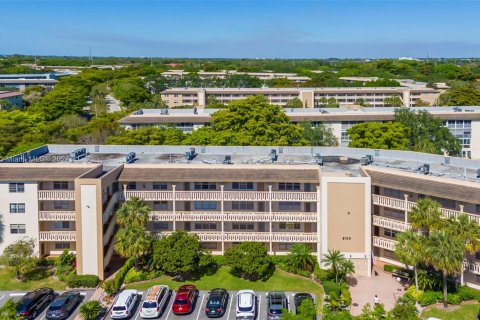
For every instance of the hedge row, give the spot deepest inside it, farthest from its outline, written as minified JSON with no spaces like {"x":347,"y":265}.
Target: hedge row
{"x":122,"y":273}
{"x":82,"y":281}
{"x":426,"y":298}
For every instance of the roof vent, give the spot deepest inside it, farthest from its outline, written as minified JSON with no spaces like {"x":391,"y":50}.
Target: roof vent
{"x":130,"y":157}
{"x":425,"y":169}
{"x":78,"y":154}
{"x":227,"y":160}
{"x":318,"y":159}
{"x":190,"y":154}
{"x":273,"y":155}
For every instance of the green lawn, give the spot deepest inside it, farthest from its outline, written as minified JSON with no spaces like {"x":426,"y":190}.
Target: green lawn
{"x":280,"y":280}
{"x":36,"y":279}
{"x":464,"y":312}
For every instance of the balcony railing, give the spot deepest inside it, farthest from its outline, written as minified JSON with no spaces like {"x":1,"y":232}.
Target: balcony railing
{"x":56,"y":215}
{"x":108,"y":233}
{"x":408,"y":205}
{"x":57,"y":236}
{"x":56,"y":195}
{"x":255,"y":236}
{"x":384,"y":243}
{"x":233,"y":216}
{"x":390,"y":223}
{"x":108,"y":255}
{"x":227,"y":195}
{"x":110,"y":207}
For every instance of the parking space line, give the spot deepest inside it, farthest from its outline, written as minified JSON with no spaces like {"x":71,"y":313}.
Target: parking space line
{"x":169,"y":305}
{"x":260,"y":307}
{"x":1,"y":298}
{"x":201,"y":304}
{"x":230,"y":307}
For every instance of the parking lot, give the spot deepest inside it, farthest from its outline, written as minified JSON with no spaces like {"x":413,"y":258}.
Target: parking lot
{"x":198,"y":312}
{"x":6,"y":295}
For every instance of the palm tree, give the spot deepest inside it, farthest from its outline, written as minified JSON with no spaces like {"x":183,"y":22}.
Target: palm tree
{"x":426,"y":215}
{"x":445,"y":253}
{"x":347,"y":268}
{"x":90,"y":310}
{"x":409,"y":250}
{"x":134,"y":212}
{"x":132,"y":241}
{"x":334,"y":259}
{"x":300,"y":257}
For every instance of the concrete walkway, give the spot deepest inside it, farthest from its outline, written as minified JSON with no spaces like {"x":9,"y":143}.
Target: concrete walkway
{"x":381,"y":283}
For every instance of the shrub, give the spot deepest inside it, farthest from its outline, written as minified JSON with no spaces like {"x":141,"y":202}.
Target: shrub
{"x":134,"y":275}
{"x":321,"y":275}
{"x":332,"y":287}
{"x":429,"y":298}
{"x":109,"y":287}
{"x":347,"y":297}
{"x":453,"y":298}
{"x":391,"y":268}
{"x":90,"y":310}
{"x":220,"y":260}
{"x":121,"y":274}
{"x":82,"y":281}
{"x":465,"y":293}
{"x":413,"y":293}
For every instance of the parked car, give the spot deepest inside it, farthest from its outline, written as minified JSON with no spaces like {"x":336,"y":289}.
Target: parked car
{"x":298,"y":298}
{"x":276,"y":302}
{"x":63,"y":305}
{"x":216,"y":303}
{"x":125,"y":304}
{"x":33,"y":302}
{"x":185,"y":299}
{"x":246,"y":305}
{"x":155,"y":301}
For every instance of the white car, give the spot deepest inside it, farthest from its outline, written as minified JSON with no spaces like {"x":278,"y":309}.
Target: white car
{"x":154,"y":302}
{"x":246,"y":305}
{"x":123,"y":307}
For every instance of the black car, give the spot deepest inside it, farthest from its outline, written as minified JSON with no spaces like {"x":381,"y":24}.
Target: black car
{"x":277,"y":302}
{"x":299,"y":298}
{"x":33,"y":302}
{"x":216,"y":303}
{"x":63,"y":305}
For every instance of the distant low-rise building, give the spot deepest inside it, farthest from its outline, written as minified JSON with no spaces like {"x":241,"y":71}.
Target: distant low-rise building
{"x":222,"y":74}
{"x":10,"y":99}
{"x":23,"y":81}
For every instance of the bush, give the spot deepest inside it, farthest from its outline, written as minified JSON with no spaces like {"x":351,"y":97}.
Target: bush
{"x":332,"y":287}
{"x":321,"y":275}
{"x":453,"y":298}
{"x":429,"y":298}
{"x":134,"y":275}
{"x":413,"y":293}
{"x":391,"y":268}
{"x":219,"y":260}
{"x":465,"y":293}
{"x":90,"y":310}
{"x":122,"y":273}
{"x":82,"y":281}
{"x":109,"y":287}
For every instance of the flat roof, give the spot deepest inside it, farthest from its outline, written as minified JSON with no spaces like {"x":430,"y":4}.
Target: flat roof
{"x":9,"y":94}
{"x":43,"y":171}
{"x":296,"y":90}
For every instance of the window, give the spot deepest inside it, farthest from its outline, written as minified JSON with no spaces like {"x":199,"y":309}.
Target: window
{"x":390,"y":233}
{"x":205,"y":205}
{"x":242,"y":205}
{"x":160,"y":225}
{"x":60,"y":185}
{"x":17,"y":229}
{"x":17,"y":207}
{"x":395,"y":214}
{"x":289,"y":226}
{"x":242,"y":185}
{"x":205,"y":225}
{"x":160,"y":186}
{"x":389,"y":254}
{"x":205,"y":186}
{"x":284,"y":186}
{"x":160,"y":205}
{"x":243,"y":226}
{"x":62,"y":224}
{"x":393,"y":193}
{"x":61,"y":205}
{"x":209,"y":245}
{"x":132,"y":186}
{"x":62,"y":245}
{"x":285,"y":246}
{"x":289,"y":206}
{"x":17,"y":187}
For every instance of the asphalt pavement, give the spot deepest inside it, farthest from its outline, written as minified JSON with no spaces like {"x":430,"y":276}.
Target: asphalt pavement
{"x":6,"y":295}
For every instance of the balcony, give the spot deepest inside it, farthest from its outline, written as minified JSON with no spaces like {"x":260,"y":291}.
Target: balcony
{"x":255,"y":236}
{"x":390,"y":223}
{"x":408,"y":205}
{"x":233,"y":216}
{"x":472,"y":266}
{"x":225,"y":196}
{"x":109,"y":232}
{"x":384,"y":243}
{"x":57,"y":236}
{"x":56,"y":215}
{"x":56,"y":195}
{"x":110,"y":207}
{"x":108,"y":255}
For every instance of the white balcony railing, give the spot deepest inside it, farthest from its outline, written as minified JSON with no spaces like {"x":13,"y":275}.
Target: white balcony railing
{"x":233,"y":216}
{"x":56,"y":215}
{"x":56,"y":195}
{"x":57,"y":236}
{"x":227,"y":195}
{"x":384,"y":243}
{"x":408,"y":205}
{"x":390,"y":223}
{"x":255,"y":236}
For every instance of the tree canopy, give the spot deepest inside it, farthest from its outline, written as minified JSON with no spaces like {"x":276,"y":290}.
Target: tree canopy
{"x":249,"y":260}
{"x":389,"y":135}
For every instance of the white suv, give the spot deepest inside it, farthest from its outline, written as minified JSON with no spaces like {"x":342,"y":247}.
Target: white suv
{"x":123,"y":307}
{"x":246,"y":305}
{"x":154,"y":302}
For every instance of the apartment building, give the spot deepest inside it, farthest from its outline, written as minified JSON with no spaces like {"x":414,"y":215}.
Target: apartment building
{"x":310,"y":97}
{"x":11,"y":99}
{"x":326,"y":198}
{"x":463,"y":122}
{"x":222,"y":74}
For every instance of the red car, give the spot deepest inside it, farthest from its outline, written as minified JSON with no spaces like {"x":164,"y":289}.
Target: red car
{"x":185,"y":299}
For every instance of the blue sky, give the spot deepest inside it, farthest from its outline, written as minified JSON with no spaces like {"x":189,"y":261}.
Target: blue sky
{"x":231,"y":29}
